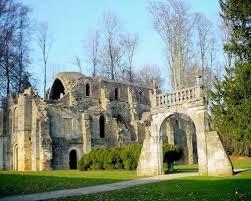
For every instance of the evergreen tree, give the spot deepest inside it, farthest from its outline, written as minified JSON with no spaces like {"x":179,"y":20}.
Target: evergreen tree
{"x":231,"y":98}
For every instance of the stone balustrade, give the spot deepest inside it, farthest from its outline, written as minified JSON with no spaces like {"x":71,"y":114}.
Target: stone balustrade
{"x":179,"y":96}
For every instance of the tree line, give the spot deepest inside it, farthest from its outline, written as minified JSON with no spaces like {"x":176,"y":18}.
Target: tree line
{"x":14,"y":47}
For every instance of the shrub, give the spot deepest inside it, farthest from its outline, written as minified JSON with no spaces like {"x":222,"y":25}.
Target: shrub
{"x":171,"y":153}
{"x":111,"y":158}
{"x":126,"y":157}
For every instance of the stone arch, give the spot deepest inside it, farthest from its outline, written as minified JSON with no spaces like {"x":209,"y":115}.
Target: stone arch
{"x":180,"y":129}
{"x":15,"y":157}
{"x":57,"y":90}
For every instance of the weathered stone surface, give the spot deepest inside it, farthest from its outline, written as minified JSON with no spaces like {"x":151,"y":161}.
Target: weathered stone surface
{"x":81,"y":113}
{"x":190,"y":102}
{"x":42,"y":133}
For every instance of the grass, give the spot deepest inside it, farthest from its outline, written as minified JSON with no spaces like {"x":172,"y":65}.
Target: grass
{"x":235,"y":188}
{"x":196,"y":188}
{"x":237,"y":162}
{"x":32,"y":182}
{"x":241,"y":162}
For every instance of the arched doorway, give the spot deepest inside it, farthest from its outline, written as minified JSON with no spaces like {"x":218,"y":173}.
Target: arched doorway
{"x":73,"y":159}
{"x":179,"y":129}
{"x":15,"y":157}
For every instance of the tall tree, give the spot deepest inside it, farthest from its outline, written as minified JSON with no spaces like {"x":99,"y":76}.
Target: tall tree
{"x":14,"y":46}
{"x":44,"y":43}
{"x":147,"y":74}
{"x":93,"y":50}
{"x":231,"y":98}
{"x":173,"y":21}
{"x":112,"y":52}
{"x":129,"y":43}
{"x":203,"y":30}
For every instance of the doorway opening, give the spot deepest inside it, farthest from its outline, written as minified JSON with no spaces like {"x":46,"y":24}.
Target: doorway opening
{"x":73,"y":160}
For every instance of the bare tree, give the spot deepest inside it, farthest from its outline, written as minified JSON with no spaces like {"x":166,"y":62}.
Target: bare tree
{"x":92,"y":51}
{"x":147,"y":74}
{"x":23,"y":49}
{"x":203,"y":26}
{"x":77,"y":62}
{"x":112,"y":52}
{"x":129,"y":43}
{"x":44,"y":44}
{"x":14,"y":46}
{"x":173,"y":21}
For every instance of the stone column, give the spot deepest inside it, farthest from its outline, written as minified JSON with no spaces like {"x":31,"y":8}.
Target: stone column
{"x":189,"y":144}
{"x":170,"y":131}
{"x":151,"y":157}
{"x":200,"y":122}
{"x":1,"y":152}
{"x":24,"y":132}
{"x":86,"y":130}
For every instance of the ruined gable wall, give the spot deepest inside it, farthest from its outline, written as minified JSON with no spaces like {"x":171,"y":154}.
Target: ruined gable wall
{"x":65,"y":131}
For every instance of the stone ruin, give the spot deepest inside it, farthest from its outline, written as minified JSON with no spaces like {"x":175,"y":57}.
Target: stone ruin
{"x":80,"y":113}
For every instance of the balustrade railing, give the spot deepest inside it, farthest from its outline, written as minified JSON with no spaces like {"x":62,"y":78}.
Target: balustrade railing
{"x":179,"y":97}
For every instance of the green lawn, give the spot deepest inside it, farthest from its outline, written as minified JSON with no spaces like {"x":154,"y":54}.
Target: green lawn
{"x":235,"y":188}
{"x":238,"y":163}
{"x":30,"y":182}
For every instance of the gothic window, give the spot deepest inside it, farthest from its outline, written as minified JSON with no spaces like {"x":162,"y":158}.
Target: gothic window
{"x":87,"y":89}
{"x":116,"y":94}
{"x":102,"y":126}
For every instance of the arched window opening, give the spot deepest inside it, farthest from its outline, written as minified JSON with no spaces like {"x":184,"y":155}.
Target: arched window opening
{"x":87,"y":89}
{"x":73,"y":160}
{"x":57,"y":90}
{"x":102,"y":126}
{"x":116,"y":95}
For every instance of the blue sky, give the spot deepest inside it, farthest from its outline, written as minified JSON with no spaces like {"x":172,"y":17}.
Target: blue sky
{"x":70,"y":21}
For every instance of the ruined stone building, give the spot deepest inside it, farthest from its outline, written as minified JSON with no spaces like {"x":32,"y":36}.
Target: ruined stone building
{"x":79,"y":114}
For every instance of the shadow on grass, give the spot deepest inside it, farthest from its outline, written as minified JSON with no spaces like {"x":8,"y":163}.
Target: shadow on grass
{"x":12,"y":184}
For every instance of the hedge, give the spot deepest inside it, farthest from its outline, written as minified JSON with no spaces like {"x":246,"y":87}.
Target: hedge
{"x":111,"y":158}
{"x":125,"y":157}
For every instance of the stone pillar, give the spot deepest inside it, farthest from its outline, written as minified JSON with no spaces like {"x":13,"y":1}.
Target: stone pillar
{"x":1,"y":152}
{"x":151,"y":157}
{"x":134,"y":117}
{"x":24,"y":132}
{"x":218,"y":161}
{"x":170,"y":132}
{"x":189,"y":145}
{"x":105,"y":102}
{"x":86,"y":130}
{"x":200,"y":122}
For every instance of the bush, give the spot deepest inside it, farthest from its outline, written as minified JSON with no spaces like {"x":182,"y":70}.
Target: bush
{"x":111,"y":158}
{"x":171,"y":153}
{"x":126,"y":157}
